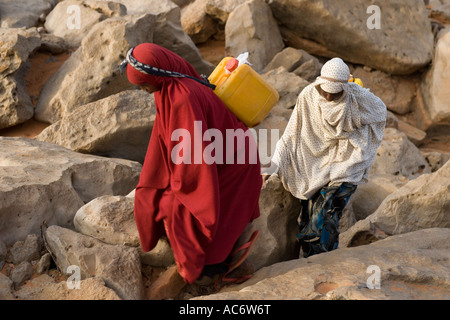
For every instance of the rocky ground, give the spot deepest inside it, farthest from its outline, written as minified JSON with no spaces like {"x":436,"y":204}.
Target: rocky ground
{"x":73,"y":135}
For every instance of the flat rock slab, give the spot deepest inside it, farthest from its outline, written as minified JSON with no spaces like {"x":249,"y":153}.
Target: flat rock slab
{"x":118,"y":266}
{"x":41,"y":182}
{"x":118,"y":126}
{"x":408,"y":266}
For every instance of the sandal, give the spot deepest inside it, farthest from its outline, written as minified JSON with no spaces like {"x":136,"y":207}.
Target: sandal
{"x":237,"y":263}
{"x":247,"y":247}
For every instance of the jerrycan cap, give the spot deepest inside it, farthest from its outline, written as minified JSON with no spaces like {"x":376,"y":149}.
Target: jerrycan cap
{"x":232,"y":64}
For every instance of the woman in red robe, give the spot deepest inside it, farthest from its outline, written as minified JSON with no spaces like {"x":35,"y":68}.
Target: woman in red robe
{"x":202,"y":206}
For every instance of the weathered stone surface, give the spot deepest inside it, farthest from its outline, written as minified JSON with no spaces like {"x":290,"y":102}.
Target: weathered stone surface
{"x":118,"y":266}
{"x":415,"y":135}
{"x":16,"y":45}
{"x":168,"y":31}
{"x":21,"y":273}
{"x":45,"y":287}
{"x":421,"y":203}
{"x":287,"y":84}
{"x":118,"y":126}
{"x":398,"y":156}
{"x":197,"y":23}
{"x":23,"y":13}
{"x":309,"y":70}
{"x":167,"y":286}
{"x":391,"y":120}
{"x":159,"y":256}
{"x":368,"y":197}
{"x":44,"y":263}
{"x":397,"y":92}
{"x":221,"y":9}
{"x":53,"y":44}
{"x":251,"y":28}
{"x":109,"y":219}
{"x":42,"y":182}
{"x":91,"y":73}
{"x":441,"y":13}
{"x":73,"y":19}
{"x":297,"y":61}
{"x":3,"y":254}
{"x":27,"y":250}
{"x":6,"y":288}
{"x":277,"y":225}
{"x":435,"y":159}
{"x":412,"y":266}
{"x":395,"y":48}
{"x":289,"y":58}
{"x":435,"y":84}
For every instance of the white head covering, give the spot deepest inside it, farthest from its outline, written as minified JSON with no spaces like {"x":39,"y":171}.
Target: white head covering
{"x":333,"y":75}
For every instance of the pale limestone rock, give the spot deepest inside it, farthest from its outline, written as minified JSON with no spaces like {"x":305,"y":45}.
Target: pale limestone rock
{"x":395,"y":48}
{"x":118,"y":266}
{"x":251,"y":28}
{"x":45,"y":183}
{"x":118,"y":126}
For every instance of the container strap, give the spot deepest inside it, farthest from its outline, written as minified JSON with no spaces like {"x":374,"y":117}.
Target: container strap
{"x":148,"y":69}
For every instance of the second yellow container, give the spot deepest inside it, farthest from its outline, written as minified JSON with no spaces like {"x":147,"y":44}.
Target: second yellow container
{"x":243,"y":91}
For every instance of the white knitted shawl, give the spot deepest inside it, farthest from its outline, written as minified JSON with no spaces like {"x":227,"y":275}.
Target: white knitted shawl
{"x":330,"y":142}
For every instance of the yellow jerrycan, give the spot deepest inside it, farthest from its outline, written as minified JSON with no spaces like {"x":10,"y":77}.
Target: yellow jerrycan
{"x":356,"y":80}
{"x":243,"y":91}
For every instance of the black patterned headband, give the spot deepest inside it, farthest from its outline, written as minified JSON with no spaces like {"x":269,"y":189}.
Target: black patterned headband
{"x":147,"y":69}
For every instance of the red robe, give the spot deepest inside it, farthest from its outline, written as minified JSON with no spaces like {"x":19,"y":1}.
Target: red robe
{"x":202,"y":208}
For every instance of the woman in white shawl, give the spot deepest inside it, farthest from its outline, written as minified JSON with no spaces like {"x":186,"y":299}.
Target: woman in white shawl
{"x":327,"y":149}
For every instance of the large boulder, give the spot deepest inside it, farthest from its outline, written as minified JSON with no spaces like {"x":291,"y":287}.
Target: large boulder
{"x":398,"y":156}
{"x":6,"y":288}
{"x":421,"y":203}
{"x":297,"y":61}
{"x":92,"y":73}
{"x":24,"y":13}
{"x":368,"y":196}
{"x":395,"y":48}
{"x":197,"y":23}
{"x":287,"y":84}
{"x":111,"y":220}
{"x":16,"y":45}
{"x":220,"y":9}
{"x":118,"y":126}
{"x":118,"y":266}
{"x":168,"y":31}
{"x":397,"y":92}
{"x":73,"y":19}
{"x":252,"y":28}
{"x":434,"y":87}
{"x":45,"y":183}
{"x":412,"y":266}
{"x":277,"y":225}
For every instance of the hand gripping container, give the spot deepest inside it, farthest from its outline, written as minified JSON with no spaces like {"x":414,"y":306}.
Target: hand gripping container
{"x":243,"y":91}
